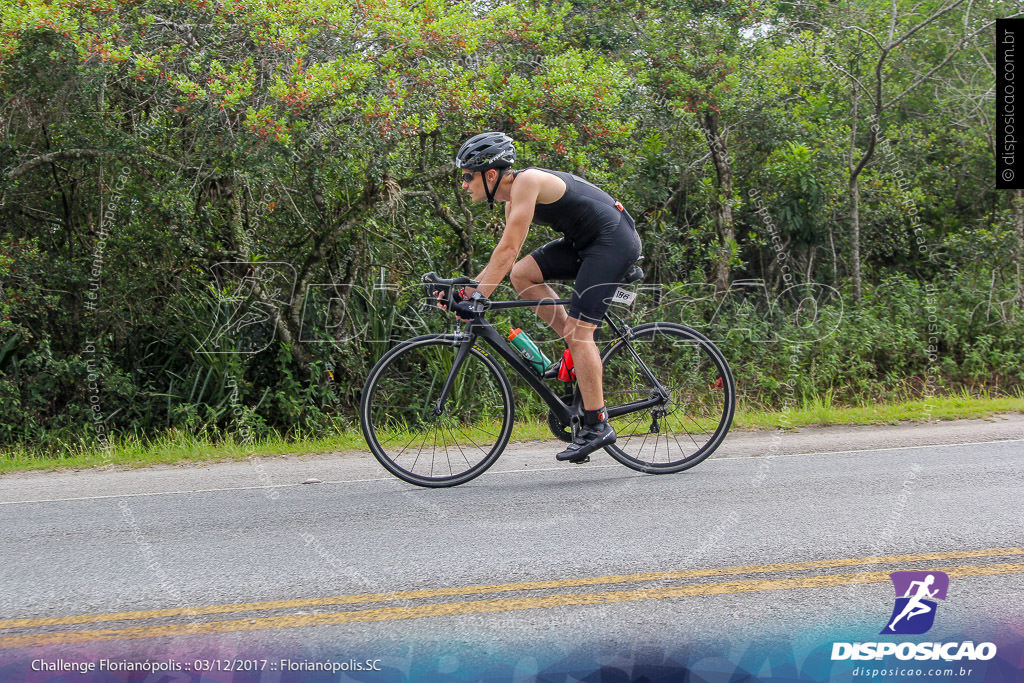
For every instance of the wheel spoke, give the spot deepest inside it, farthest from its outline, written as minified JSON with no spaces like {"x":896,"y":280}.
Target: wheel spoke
{"x":406,"y":446}
{"x":680,"y":445}
{"x":683,"y":427}
{"x":470,"y":439}
{"x":460,"y":447}
{"x":640,"y":415}
{"x":433,"y":451}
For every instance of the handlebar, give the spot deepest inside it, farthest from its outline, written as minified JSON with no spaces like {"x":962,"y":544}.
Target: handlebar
{"x":448,"y":287}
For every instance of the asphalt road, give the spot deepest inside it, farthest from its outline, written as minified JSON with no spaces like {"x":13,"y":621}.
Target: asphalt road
{"x":764,"y":544}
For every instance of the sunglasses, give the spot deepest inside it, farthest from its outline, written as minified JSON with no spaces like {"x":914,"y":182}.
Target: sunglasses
{"x":468,"y":177}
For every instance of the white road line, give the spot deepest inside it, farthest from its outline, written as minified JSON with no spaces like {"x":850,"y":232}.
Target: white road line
{"x":519,"y":471}
{"x":868,"y":450}
{"x":172,"y":493}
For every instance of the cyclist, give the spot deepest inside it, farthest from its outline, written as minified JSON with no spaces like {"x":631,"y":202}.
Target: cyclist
{"x":599,"y":245}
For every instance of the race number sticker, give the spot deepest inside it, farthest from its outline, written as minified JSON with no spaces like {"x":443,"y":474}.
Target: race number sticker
{"x":623,"y":296}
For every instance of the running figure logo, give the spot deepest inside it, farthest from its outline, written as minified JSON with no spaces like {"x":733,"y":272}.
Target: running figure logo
{"x":914,"y":612}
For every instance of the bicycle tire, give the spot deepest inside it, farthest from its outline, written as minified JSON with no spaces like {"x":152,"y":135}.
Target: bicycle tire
{"x":396,"y":406}
{"x":701,"y":405}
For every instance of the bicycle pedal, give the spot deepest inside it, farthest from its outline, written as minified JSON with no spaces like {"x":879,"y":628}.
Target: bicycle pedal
{"x":580,"y":461}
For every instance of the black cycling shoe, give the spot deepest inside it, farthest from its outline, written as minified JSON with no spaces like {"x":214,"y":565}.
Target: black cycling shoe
{"x":589,"y":439}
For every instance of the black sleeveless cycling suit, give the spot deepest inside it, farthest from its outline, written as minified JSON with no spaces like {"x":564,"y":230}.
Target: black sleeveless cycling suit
{"x":599,"y":246}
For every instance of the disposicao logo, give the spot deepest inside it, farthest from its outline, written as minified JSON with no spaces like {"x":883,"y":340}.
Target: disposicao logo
{"x":914,"y":612}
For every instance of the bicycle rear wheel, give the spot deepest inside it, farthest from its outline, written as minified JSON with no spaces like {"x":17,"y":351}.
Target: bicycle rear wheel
{"x":397,"y":411}
{"x":683,"y":430}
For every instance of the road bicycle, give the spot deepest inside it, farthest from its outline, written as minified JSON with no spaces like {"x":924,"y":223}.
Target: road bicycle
{"x":437,"y":410}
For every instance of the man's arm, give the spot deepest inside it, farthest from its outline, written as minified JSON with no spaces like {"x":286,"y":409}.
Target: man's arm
{"x":518,"y":215}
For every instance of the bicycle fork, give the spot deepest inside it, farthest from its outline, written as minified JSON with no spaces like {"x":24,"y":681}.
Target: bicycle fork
{"x":460,"y":358}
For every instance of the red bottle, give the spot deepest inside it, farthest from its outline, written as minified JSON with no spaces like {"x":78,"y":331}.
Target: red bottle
{"x":565,"y":370}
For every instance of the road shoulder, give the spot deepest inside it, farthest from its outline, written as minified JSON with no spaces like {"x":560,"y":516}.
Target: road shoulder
{"x":295,"y":470}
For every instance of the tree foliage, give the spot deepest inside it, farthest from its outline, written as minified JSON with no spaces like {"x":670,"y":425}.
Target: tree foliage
{"x":215,"y":213}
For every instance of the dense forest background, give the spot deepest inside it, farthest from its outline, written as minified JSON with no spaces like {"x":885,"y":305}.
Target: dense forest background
{"x":215,"y":213}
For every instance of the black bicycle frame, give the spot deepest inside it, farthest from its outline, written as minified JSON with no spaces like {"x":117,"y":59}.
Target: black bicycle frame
{"x":480,"y":328}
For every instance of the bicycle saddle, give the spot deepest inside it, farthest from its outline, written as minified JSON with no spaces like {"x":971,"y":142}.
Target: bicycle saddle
{"x":635,"y":273}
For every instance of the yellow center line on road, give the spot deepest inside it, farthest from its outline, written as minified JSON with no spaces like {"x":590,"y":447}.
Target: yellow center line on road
{"x":503,"y":588}
{"x":448,"y":609}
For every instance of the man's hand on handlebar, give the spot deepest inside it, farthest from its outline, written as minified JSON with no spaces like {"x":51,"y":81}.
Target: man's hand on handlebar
{"x":458,"y":297}
{"x":460,"y":294}
{"x":465,"y":311}
{"x":464,"y":303}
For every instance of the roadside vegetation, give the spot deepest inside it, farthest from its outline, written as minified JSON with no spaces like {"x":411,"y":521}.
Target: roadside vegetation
{"x":180,"y":448}
{"x":214,"y":216}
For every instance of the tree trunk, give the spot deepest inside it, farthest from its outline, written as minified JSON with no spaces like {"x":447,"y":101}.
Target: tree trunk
{"x":464,"y":231}
{"x":721,"y":208}
{"x":854,"y":194}
{"x":288,"y":334}
{"x":1018,"y":212}
{"x":855,"y":235}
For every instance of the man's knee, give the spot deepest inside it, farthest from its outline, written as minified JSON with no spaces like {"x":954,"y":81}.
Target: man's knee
{"x":525,"y":273}
{"x":578,"y":331}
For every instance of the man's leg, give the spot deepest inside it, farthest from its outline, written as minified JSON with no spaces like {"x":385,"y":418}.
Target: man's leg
{"x":601,"y":265}
{"x":579,"y":335}
{"x":595,"y":432}
{"x":529,"y":282}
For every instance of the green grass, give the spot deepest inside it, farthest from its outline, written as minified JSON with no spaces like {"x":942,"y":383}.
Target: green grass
{"x":819,"y":411}
{"x":183,"y":448}
{"x":174,"y":448}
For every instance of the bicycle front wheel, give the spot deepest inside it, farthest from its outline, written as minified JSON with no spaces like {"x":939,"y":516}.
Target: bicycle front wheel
{"x":686,"y":427}
{"x":420,"y":444}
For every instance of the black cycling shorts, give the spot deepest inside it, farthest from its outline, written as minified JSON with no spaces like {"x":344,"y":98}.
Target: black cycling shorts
{"x":597,"y":269}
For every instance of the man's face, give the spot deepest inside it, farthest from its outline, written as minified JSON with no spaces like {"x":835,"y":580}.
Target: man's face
{"x":473,"y":184}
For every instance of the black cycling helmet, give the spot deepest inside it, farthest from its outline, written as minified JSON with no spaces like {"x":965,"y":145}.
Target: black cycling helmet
{"x":485,"y":151}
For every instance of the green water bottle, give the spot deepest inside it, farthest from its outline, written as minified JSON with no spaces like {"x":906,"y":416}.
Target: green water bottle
{"x":531,"y":353}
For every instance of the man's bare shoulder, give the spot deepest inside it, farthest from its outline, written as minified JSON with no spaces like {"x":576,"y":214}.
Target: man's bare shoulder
{"x":541,"y":186}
